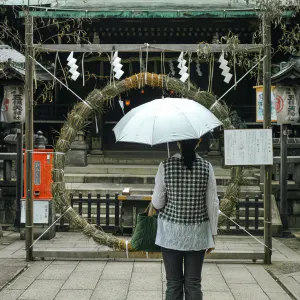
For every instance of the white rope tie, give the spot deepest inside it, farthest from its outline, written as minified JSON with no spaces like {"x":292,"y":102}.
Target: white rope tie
{"x":61,"y":83}
{"x":34,"y":151}
{"x":235,"y":84}
{"x":221,"y":213}
{"x":127,"y":254}
{"x":50,"y":227}
{"x":96,"y":123}
{"x":147,"y":54}
{"x":83,"y":77}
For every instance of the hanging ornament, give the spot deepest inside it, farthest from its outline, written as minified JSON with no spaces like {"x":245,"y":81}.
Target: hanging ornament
{"x":155,"y":68}
{"x":183,"y":68}
{"x":73,"y":67}
{"x":223,"y":65}
{"x":116,"y":63}
{"x":172,"y":70}
{"x":198,"y":70}
{"x":102,"y":70}
{"x":130,"y":69}
{"x":121,"y":105}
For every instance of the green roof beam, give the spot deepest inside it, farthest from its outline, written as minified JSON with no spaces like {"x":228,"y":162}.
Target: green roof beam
{"x":66,"y":14}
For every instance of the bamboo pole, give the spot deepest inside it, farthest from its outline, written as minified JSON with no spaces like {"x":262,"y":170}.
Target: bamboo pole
{"x":283,"y":176}
{"x":267,"y":125}
{"x":29,"y":133}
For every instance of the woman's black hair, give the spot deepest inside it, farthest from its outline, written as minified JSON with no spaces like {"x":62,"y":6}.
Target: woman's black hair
{"x":188,"y":152}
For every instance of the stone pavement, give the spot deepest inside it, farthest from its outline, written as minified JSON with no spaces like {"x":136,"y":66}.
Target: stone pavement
{"x":102,"y":280}
{"x":129,"y":280}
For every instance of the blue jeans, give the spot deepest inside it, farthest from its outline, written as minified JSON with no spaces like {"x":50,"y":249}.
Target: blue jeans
{"x":188,"y":280}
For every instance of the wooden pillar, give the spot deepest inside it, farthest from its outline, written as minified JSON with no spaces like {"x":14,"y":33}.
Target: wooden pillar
{"x":29,"y":133}
{"x":283,"y":176}
{"x":267,"y":125}
{"x":19,"y":173}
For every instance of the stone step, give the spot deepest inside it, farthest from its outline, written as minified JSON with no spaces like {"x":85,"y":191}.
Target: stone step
{"x":128,"y":169}
{"x":96,"y":159}
{"x":112,"y":211}
{"x":138,"y":189}
{"x":136,"y":179}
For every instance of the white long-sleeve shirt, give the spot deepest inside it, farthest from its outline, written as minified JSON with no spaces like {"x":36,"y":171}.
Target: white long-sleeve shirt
{"x":183,"y":237}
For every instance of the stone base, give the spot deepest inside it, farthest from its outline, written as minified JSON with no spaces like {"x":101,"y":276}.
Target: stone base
{"x":76,"y":158}
{"x":276,"y":220}
{"x":97,"y":152}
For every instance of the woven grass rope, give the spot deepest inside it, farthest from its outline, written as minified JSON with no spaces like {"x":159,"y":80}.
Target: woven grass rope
{"x":98,"y":101}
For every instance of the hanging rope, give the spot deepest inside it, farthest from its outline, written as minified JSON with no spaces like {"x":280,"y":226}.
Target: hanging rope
{"x":211,"y":73}
{"x":146,"y":68}
{"x":83,"y":77}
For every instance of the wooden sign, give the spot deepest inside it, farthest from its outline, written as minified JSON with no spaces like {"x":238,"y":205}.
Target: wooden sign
{"x":260,"y":105}
{"x":248,"y":147}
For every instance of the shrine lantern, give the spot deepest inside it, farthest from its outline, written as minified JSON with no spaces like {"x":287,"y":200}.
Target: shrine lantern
{"x":287,"y":104}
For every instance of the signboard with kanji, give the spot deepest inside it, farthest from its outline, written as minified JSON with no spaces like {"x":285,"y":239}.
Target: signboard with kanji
{"x":13,"y":104}
{"x":40,"y":212}
{"x":248,"y":147}
{"x":260,"y":105}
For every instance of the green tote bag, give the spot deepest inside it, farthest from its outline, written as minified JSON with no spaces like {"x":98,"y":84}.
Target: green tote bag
{"x":144,"y":236}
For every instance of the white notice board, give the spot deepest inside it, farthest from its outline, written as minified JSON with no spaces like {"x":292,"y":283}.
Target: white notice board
{"x":248,"y":147}
{"x":40,"y":211}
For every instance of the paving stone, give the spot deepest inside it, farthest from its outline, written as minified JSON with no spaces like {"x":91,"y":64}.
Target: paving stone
{"x":210,"y":269}
{"x":111,"y":290}
{"x":36,"y":269}
{"x":21,"y":283}
{"x":65,"y":262}
{"x":82,"y":280}
{"x":74,"y":295}
{"x":233,"y":274}
{"x":297,"y":278}
{"x":263,"y":278}
{"x":215,"y":283}
{"x":146,"y":282}
{"x":57,"y":272}
{"x":291,"y":284}
{"x":10,"y":294}
{"x":42,"y":290}
{"x":91,"y":266}
{"x":117,"y":270}
{"x":147,"y":267}
{"x":144,"y":295}
{"x":279,"y":296}
{"x":247,"y":292}
{"x":217,"y":295}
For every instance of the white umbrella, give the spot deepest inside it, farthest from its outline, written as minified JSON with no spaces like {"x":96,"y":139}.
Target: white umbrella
{"x":165,"y":120}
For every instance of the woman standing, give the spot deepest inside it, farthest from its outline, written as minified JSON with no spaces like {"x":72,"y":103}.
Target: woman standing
{"x":185,"y":193}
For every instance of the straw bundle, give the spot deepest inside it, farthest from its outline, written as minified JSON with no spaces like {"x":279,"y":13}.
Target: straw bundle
{"x":98,"y":100}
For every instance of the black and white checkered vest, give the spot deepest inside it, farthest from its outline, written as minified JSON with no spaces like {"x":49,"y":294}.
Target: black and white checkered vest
{"x":186,"y":191}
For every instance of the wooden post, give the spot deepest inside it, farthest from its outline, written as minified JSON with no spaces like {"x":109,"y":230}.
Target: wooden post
{"x":29,"y":133}
{"x":283,"y":176}
{"x":267,"y":125}
{"x":19,"y":173}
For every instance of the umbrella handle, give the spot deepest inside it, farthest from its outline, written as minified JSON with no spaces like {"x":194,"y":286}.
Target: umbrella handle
{"x":168,"y":150}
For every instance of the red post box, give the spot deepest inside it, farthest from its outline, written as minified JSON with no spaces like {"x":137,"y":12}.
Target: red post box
{"x":41,"y":176}
{"x":43,"y":210}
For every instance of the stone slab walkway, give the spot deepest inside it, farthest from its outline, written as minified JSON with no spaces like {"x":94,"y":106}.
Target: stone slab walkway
{"x":101,"y":280}
{"x":76,"y":241}
{"x":116,"y":280}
